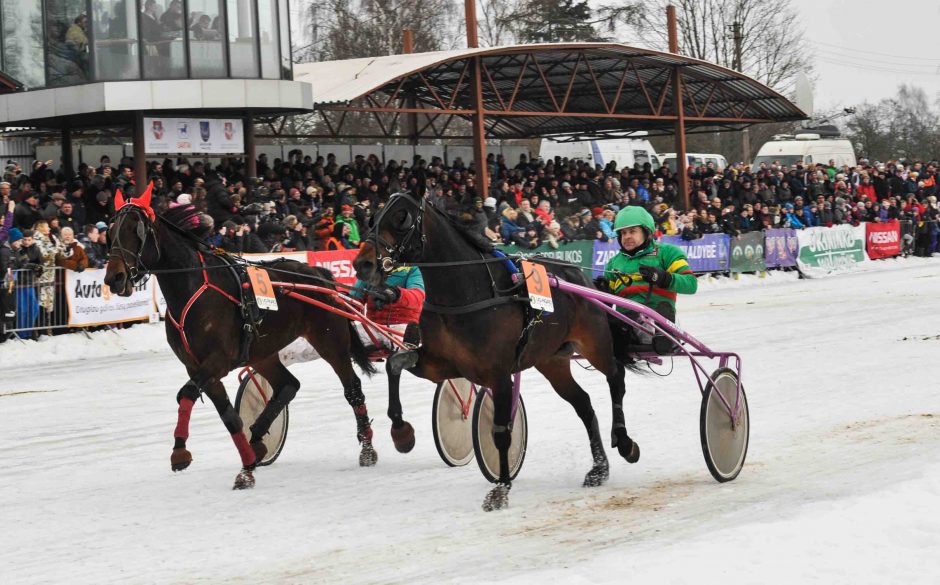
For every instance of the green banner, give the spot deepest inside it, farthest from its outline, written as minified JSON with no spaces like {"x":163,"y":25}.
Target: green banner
{"x":579,"y":252}
{"x":747,"y":253}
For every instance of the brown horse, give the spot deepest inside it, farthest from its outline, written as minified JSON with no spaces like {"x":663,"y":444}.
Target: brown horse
{"x":476,"y":325}
{"x":212,"y":332}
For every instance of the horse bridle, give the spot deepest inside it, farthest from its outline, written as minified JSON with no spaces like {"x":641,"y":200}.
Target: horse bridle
{"x":410,"y":227}
{"x":139,"y":272}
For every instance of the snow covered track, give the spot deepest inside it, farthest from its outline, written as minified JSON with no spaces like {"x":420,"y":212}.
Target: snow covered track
{"x":841,"y":483}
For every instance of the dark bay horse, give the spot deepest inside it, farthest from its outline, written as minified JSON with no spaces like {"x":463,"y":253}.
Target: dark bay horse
{"x":485,"y":340}
{"x":206,"y":321}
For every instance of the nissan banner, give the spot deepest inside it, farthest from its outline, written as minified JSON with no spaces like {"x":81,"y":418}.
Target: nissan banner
{"x":884,"y":239}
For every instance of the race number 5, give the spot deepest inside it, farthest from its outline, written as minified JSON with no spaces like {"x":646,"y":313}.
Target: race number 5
{"x":261,"y":285}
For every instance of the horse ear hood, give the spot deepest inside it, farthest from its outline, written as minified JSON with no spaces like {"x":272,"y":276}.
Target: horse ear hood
{"x":144,"y":200}
{"x":118,"y":200}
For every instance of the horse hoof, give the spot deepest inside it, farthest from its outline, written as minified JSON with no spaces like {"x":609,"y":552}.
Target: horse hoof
{"x":497,"y":499}
{"x":245,"y":480}
{"x":368,"y":457}
{"x":404,"y":437}
{"x":180,"y":459}
{"x":597,"y":476}
{"x":260,"y":451}
{"x":631,"y":453}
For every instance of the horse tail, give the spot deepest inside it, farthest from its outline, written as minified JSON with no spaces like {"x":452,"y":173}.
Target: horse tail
{"x":359,"y":354}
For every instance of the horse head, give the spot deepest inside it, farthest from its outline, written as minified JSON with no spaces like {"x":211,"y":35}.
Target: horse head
{"x":133,"y":245}
{"x":395,"y":236}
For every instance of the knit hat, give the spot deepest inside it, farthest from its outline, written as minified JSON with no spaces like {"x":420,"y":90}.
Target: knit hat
{"x":184,"y":199}
{"x":15,"y":235}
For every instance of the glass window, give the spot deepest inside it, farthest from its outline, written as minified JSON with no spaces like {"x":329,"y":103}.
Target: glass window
{"x":241,"y":38}
{"x":284,"y":16}
{"x":267,"y":31}
{"x":206,"y":41}
{"x":161,"y":30}
{"x":67,"y":54}
{"x":22,"y":41}
{"x":114,"y":28}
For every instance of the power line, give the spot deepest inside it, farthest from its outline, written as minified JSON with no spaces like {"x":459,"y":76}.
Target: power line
{"x":875,"y":52}
{"x":867,"y":67}
{"x":843,"y":53}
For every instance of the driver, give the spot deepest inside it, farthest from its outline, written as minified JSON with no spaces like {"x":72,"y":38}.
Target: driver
{"x":643,"y":261}
{"x":396,"y":304}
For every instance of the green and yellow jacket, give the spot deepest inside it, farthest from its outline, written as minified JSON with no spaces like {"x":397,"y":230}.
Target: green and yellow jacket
{"x":623,"y":273}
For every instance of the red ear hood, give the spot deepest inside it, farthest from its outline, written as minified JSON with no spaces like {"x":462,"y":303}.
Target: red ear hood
{"x":118,"y":200}
{"x":144,"y":201}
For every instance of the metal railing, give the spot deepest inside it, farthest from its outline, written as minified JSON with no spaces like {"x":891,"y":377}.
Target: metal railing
{"x":34,"y":303}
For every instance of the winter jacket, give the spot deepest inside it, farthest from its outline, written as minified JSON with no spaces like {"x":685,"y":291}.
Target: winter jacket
{"x":624,"y":279}
{"x":407,"y":309}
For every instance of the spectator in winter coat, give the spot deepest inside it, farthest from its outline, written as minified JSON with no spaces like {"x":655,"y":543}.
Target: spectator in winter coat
{"x":27,"y":212}
{"x":72,"y":255}
{"x":348,"y":218}
{"x":790,"y":219}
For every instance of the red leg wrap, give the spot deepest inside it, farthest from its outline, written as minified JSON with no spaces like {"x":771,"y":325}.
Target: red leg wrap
{"x":182,"y":420}
{"x":244,"y":449}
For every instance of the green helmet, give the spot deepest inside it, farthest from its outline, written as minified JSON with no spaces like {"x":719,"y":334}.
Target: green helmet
{"x":633,"y":215}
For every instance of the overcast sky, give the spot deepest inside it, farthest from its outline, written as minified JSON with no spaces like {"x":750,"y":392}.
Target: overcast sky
{"x":865,"y":49}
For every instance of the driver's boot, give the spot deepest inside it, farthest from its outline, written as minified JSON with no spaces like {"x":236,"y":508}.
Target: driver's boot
{"x":406,"y":358}
{"x":661,"y":344}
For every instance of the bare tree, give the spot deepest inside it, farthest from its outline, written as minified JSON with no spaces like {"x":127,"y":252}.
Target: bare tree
{"x":902,"y":126}
{"x":773,"y":49}
{"x":495,"y":24}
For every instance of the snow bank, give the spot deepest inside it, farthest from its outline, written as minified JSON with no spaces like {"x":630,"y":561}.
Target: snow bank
{"x":142,"y":338}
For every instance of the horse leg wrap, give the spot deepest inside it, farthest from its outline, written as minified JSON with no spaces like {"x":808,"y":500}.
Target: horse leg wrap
{"x":353,"y":393}
{"x":363,"y":424}
{"x":231,"y":420}
{"x":183,"y":413}
{"x":502,"y":436}
{"x":260,"y":428}
{"x":244,"y":450}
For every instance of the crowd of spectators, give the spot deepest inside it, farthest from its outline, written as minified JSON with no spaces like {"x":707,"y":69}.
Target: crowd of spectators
{"x":307,"y":203}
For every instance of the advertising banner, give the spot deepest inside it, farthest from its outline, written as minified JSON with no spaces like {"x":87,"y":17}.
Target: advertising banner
{"x":580,"y":252}
{"x":339,"y":262}
{"x":781,"y":247}
{"x":884,"y":239}
{"x":710,"y":253}
{"x":603,"y":252}
{"x":825,"y":251}
{"x":747,"y":253}
{"x":91,"y":302}
{"x":194,"y":136}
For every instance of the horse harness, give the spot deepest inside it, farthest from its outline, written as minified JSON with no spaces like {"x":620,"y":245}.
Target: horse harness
{"x":251,"y":314}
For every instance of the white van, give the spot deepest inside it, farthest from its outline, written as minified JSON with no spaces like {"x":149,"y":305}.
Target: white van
{"x":696,"y":159}
{"x":809,"y":147}
{"x":624,"y":151}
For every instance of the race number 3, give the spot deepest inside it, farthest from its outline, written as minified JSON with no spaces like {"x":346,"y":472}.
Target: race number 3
{"x":536,"y":280}
{"x":261,"y":285}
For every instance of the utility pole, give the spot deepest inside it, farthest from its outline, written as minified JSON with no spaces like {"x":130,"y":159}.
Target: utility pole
{"x":738,"y":38}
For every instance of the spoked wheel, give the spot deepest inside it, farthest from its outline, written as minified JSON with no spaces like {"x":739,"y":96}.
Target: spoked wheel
{"x":450,"y":419}
{"x":254,"y":392}
{"x":487,"y":454}
{"x":724,"y":440}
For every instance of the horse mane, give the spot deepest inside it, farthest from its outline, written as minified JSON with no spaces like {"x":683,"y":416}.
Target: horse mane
{"x":185,"y":217}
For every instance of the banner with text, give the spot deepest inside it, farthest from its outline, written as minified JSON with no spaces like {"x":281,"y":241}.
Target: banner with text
{"x":781,"y":247}
{"x":747,"y":253}
{"x":193,"y":136}
{"x":91,"y":302}
{"x":579,"y":252}
{"x":884,"y":239}
{"x":710,"y":253}
{"x":825,"y":251}
{"x":603,"y":251}
{"x":339,"y":262}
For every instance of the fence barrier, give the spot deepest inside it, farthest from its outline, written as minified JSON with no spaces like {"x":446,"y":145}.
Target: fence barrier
{"x":37,"y":301}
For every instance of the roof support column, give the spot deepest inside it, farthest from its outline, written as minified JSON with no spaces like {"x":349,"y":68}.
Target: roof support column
{"x":251,"y":161}
{"x":682,"y":161}
{"x":68,"y":165}
{"x":479,"y":132}
{"x":140,"y":157}
{"x":411,"y":102}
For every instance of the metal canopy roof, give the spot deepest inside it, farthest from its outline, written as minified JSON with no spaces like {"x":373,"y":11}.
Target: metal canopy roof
{"x":542,"y":90}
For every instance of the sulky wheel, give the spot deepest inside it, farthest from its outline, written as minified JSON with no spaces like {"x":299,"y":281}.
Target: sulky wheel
{"x":450,"y":420}
{"x":724,"y":442}
{"x":487,"y":454}
{"x":254,"y":392}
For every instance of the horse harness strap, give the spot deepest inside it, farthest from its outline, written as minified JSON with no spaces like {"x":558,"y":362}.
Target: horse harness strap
{"x":251,"y":319}
{"x":484,"y":304}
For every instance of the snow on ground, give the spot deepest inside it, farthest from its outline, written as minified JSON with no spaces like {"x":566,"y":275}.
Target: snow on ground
{"x":841,"y":485}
